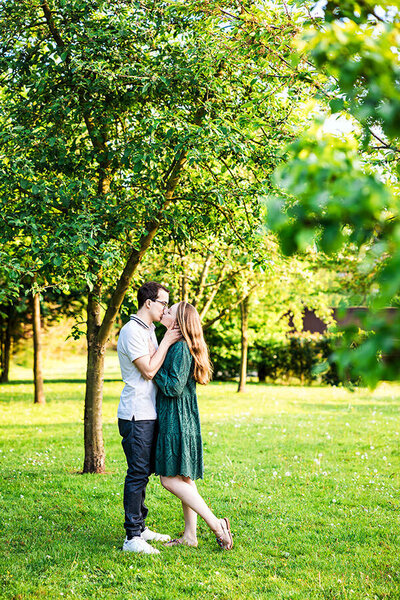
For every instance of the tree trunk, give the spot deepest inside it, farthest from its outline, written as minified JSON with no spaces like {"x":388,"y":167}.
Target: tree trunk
{"x":98,"y":331}
{"x":244,"y":314}
{"x":93,"y":433}
{"x":6,"y":352}
{"x":7,"y":326}
{"x":37,"y":351}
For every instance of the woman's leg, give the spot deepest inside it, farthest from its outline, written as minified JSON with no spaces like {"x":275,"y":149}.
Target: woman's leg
{"x":190,"y":533}
{"x":190,"y":516}
{"x":192,"y":499}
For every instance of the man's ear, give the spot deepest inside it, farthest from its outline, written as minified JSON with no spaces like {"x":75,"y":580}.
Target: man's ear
{"x":148,"y":303}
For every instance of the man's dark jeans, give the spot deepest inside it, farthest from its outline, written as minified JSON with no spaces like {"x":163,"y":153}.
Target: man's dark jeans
{"x":138,"y":439}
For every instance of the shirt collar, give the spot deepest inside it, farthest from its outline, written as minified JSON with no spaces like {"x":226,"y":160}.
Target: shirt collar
{"x":142,"y":323}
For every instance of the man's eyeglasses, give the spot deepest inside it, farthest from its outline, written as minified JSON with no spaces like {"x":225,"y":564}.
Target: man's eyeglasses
{"x":163,"y":302}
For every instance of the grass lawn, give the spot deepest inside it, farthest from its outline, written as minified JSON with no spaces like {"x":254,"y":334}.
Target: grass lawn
{"x":309,"y":478}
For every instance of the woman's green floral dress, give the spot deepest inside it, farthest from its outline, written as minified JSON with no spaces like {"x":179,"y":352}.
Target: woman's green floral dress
{"x":179,"y":449}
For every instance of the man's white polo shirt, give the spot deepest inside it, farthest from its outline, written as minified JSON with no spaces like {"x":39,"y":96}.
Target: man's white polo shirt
{"x":138,"y":398}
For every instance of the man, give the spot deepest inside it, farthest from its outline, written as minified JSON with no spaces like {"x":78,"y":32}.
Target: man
{"x":140,"y":358}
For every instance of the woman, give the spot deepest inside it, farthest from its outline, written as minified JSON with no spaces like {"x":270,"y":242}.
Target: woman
{"x":179,"y":452}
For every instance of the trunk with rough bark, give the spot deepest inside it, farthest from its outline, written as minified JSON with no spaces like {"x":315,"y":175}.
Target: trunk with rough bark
{"x":244,"y":314}
{"x":37,"y":351}
{"x":94,"y":446}
{"x":93,"y":432}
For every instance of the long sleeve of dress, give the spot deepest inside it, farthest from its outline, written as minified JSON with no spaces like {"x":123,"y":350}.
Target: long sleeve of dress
{"x":172,"y":378}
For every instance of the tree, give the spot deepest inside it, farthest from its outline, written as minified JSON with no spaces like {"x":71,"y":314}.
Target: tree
{"x":124,"y":122}
{"x":336,"y":190}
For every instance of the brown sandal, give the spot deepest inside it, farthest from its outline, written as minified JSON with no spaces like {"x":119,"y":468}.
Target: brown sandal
{"x":225,"y":541}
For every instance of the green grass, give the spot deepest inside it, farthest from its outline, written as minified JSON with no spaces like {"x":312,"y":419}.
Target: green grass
{"x":309,"y":478}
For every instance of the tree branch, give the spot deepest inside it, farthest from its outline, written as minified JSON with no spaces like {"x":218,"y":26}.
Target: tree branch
{"x":228,"y":309}
{"x":220,"y":279}
{"x":203,"y":277}
{"x":137,"y":254}
{"x":51,"y":24}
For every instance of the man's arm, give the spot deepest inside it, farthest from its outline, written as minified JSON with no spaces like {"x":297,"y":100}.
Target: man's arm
{"x":149,"y":365}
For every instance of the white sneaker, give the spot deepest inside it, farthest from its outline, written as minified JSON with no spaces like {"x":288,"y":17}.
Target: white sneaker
{"x":138,"y":544}
{"x":153,"y":536}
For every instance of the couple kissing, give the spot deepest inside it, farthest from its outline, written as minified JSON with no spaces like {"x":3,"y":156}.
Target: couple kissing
{"x":158,"y":416}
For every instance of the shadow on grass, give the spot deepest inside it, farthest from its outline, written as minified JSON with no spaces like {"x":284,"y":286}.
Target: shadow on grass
{"x":30,"y":381}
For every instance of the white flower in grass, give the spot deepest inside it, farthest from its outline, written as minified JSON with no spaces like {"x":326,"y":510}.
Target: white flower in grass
{"x":333,"y":500}
{"x":384,"y":458}
{"x":288,"y":474}
{"x":274,"y":473}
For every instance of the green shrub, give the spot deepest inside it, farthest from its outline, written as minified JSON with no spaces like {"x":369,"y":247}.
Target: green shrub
{"x":297,"y":357}
{"x":301,"y":356}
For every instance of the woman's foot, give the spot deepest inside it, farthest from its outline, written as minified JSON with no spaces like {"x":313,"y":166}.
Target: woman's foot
{"x":224,"y":535}
{"x":183,"y":541}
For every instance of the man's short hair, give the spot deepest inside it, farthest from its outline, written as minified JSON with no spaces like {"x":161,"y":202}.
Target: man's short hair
{"x":149,"y":291}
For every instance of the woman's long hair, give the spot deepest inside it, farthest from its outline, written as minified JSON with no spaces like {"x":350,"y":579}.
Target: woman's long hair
{"x":189,"y":323}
